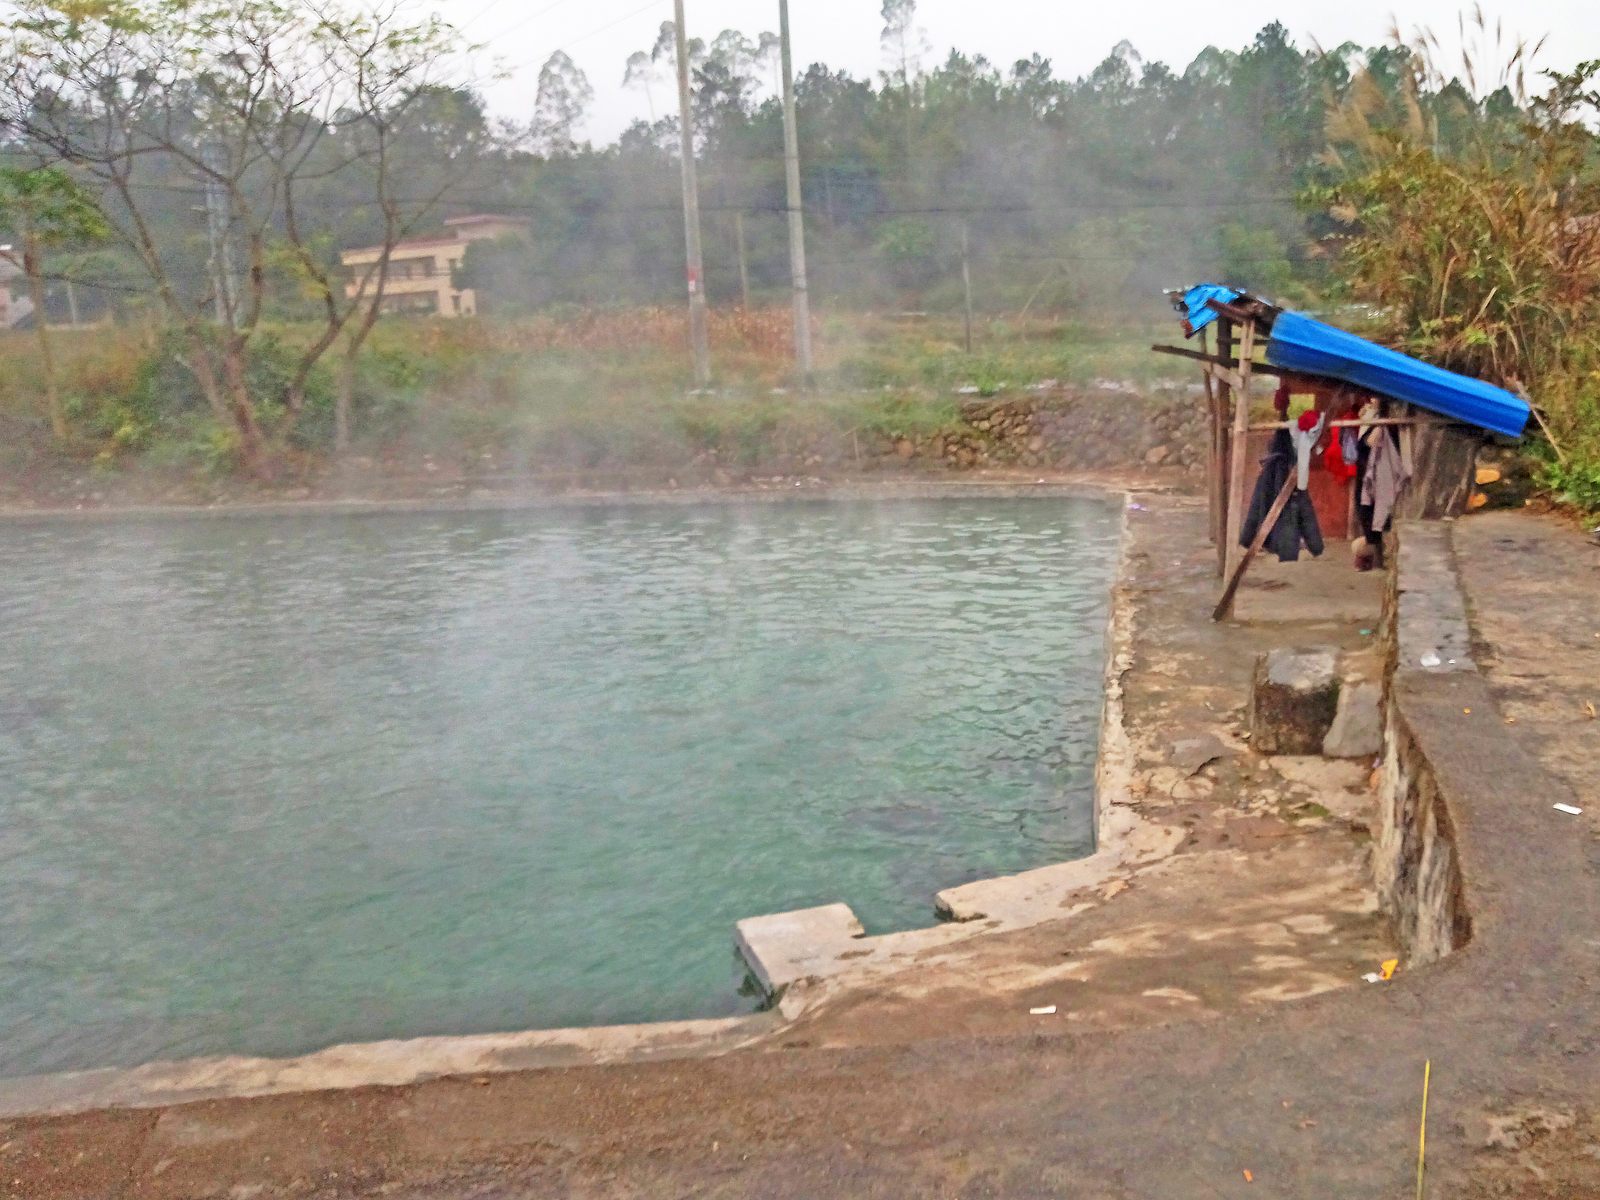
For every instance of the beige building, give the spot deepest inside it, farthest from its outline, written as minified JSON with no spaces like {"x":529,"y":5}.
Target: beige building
{"x":419,"y":271}
{"x":12,"y":308}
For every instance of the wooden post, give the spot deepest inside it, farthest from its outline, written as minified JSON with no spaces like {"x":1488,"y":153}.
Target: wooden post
{"x":1219,"y":431}
{"x":1241,"y":438}
{"x":1213,"y":458}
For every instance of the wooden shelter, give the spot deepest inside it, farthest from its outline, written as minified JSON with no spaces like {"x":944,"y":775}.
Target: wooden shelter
{"x":1442,"y":418}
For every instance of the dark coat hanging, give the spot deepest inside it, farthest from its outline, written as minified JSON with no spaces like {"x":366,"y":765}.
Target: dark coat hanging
{"x":1298,"y":520}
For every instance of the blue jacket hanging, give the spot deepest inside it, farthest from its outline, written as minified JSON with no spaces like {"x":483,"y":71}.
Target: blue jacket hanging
{"x":1297,"y":522}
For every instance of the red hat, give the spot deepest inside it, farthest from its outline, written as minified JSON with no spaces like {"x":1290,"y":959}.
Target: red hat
{"x":1308,"y":420}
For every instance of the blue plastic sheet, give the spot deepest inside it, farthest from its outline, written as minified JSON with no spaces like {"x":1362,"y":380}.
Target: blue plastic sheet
{"x":1301,"y":344}
{"x":1194,"y":302}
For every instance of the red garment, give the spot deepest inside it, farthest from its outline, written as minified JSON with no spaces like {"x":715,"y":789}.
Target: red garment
{"x":1333,"y":458}
{"x":1280,"y":398}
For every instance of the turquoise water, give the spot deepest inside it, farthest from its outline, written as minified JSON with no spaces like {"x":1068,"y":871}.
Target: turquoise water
{"x":272,"y":784}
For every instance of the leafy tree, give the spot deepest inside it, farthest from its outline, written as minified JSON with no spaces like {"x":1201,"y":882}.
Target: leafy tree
{"x":564,"y":93}
{"x":249,"y":103}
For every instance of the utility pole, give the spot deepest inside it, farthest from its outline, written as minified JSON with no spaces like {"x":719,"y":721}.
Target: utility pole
{"x":691,"y":213}
{"x":744,"y":265}
{"x":224,"y":286}
{"x":966,"y":283}
{"x":797,"y":231}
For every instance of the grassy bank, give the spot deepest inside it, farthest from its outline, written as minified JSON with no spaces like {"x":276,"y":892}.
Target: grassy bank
{"x":585,"y":389}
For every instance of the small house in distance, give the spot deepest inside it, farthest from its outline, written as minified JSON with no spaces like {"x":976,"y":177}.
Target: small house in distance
{"x":12,"y":308}
{"x":419,"y":270}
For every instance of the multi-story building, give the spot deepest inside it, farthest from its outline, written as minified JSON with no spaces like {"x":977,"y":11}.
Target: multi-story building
{"x":419,"y":270}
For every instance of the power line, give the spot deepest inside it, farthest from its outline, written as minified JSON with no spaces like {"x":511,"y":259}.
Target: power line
{"x":583,"y":37}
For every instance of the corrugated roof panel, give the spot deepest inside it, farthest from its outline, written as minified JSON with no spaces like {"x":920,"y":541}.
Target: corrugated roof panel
{"x":1299,"y":343}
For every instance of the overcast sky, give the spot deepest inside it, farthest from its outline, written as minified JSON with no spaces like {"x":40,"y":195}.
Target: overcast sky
{"x":600,"y":34}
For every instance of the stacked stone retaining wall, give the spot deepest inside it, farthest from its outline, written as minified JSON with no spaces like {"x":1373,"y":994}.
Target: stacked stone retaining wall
{"x":1067,"y":430}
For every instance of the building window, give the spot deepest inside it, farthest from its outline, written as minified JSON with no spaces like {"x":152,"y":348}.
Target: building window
{"x":411,"y":268}
{"x":417,"y":304}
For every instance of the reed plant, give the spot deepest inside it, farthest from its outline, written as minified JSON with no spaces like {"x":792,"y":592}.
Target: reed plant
{"x":1482,"y":256}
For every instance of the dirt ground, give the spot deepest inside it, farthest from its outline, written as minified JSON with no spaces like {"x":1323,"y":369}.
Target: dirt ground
{"x":1147,"y":1093}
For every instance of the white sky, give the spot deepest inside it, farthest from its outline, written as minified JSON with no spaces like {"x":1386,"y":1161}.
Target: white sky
{"x":600,"y":34}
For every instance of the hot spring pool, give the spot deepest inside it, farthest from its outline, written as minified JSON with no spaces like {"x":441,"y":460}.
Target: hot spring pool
{"x":268,"y":784}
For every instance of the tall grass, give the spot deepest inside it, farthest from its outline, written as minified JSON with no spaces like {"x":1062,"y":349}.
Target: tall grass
{"x":581,"y":388}
{"x":1485,"y":260}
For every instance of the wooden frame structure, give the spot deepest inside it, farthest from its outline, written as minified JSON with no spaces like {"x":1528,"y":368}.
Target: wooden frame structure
{"x":1442,"y":462}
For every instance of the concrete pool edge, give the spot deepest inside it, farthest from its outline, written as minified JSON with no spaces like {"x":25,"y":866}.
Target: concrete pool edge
{"x":1016,"y":900}
{"x":806,"y":957}
{"x":365,"y":1064}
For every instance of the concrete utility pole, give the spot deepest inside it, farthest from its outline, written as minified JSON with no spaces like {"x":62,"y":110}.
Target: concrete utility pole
{"x":966,"y":283}
{"x":691,"y":213}
{"x":797,"y":231}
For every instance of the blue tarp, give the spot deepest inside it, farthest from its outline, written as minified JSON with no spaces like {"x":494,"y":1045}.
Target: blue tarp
{"x":1300,"y":344}
{"x":1194,"y":304}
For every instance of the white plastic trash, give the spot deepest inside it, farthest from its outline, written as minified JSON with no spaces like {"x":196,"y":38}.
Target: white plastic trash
{"x":1042,"y":1012}
{"x":1567,"y":808}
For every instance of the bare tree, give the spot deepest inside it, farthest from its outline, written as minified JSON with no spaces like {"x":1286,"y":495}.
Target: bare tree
{"x":250,"y":98}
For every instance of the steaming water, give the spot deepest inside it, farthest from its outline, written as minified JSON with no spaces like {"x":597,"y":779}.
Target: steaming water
{"x":271,"y":784}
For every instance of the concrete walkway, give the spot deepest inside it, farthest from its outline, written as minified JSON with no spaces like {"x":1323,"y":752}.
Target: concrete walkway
{"x":1315,"y":1098}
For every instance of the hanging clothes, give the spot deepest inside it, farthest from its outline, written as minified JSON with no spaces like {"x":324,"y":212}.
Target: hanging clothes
{"x":1334,"y":457}
{"x":1385,"y":476}
{"x":1298,"y":522}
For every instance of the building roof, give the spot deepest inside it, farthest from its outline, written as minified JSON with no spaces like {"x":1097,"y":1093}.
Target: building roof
{"x":1305,"y":346}
{"x":1301,"y":344}
{"x":460,"y":227}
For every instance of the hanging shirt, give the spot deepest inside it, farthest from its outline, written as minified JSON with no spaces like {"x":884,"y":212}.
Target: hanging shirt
{"x":1304,"y":440}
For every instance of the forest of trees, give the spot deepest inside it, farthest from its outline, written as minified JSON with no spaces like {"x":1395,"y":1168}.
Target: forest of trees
{"x":1098,"y":191}
{"x":1089,"y":193}
{"x":197,"y":170}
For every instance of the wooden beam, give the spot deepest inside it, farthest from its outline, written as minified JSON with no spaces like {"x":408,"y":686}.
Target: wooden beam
{"x":1184,"y":352}
{"x":1223,"y":375}
{"x":1225,"y":605}
{"x":1241,"y":436}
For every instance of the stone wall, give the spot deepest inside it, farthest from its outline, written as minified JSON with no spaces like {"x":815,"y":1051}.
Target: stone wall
{"x":1416,"y":864}
{"x":1069,"y":430}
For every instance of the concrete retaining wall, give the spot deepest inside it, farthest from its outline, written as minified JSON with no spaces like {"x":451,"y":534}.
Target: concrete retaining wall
{"x":1416,"y":864}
